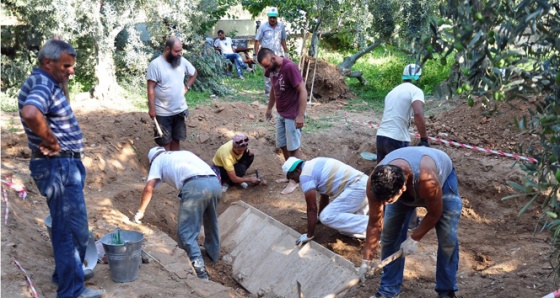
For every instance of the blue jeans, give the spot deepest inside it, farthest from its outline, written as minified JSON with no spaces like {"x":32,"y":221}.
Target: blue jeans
{"x":395,"y":232}
{"x":384,"y":146}
{"x":236,"y":59}
{"x":61,"y":181}
{"x":199,"y":200}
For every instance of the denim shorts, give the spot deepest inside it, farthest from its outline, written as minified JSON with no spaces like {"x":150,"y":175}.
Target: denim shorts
{"x":287,"y":135}
{"x":172,"y":127}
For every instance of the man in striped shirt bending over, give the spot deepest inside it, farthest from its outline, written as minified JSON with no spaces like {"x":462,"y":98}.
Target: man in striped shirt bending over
{"x":332,"y":179}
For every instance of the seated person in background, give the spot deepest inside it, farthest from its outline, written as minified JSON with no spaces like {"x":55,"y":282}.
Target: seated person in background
{"x":232,"y":161}
{"x":224,"y":44}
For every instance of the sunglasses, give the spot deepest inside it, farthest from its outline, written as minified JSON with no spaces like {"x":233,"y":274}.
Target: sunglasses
{"x":246,"y":140}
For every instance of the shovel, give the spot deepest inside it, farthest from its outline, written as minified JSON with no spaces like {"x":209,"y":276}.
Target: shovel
{"x":370,"y":273}
{"x":160,"y":134}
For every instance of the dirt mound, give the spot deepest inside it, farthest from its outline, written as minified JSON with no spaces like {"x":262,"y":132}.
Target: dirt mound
{"x":328,"y":84}
{"x":482,"y":127}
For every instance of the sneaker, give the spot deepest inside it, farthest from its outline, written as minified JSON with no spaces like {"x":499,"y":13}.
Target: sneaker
{"x":92,"y":293}
{"x":225,"y":187}
{"x":244,"y":184}
{"x":241,"y":77}
{"x":88,"y":274}
{"x":357,"y":236}
{"x":249,"y":69}
{"x":201,"y":272}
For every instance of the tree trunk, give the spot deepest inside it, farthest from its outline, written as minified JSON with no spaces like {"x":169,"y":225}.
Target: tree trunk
{"x":314,"y":46}
{"x":105,"y":75}
{"x":345,"y":67}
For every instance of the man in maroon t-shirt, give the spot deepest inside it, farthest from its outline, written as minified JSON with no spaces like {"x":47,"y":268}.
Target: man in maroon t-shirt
{"x":289,"y":94}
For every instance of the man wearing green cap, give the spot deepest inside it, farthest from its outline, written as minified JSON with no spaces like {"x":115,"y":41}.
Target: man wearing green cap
{"x":271,"y":35}
{"x":347,"y":212}
{"x":403,"y":102}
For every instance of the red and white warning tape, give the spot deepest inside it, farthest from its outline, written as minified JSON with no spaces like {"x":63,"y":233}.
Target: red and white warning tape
{"x":18,"y":188}
{"x":27,"y":277}
{"x":456,"y":144}
{"x":5,"y":196}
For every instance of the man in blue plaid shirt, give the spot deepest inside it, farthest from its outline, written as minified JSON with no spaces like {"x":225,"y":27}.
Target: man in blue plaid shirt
{"x":56,"y":142}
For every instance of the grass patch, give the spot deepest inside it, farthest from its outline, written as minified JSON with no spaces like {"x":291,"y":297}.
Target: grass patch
{"x":8,"y":103}
{"x":382,"y":68}
{"x":314,"y":125}
{"x":248,"y":90}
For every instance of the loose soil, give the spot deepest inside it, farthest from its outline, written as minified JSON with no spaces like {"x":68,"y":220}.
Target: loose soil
{"x":499,"y":254}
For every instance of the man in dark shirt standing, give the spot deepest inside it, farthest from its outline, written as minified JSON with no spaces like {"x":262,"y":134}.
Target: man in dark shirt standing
{"x":289,"y":94}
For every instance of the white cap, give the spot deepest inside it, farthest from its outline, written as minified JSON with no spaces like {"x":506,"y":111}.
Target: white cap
{"x":412,"y":71}
{"x":291,"y":164}
{"x":273,"y":12}
{"x":154,"y":151}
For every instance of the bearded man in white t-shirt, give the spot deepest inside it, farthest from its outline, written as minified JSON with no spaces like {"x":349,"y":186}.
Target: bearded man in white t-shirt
{"x":166,"y":94}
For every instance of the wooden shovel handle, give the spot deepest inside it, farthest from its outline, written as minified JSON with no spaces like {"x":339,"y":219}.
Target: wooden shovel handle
{"x":160,"y":133}
{"x":385,"y":262}
{"x":373,"y":270}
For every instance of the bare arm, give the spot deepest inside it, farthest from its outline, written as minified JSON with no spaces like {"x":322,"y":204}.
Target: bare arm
{"x":375,"y":224}
{"x":429,"y":188}
{"x":151,"y":99}
{"x":311,"y":200}
{"x":323,"y":203}
{"x":190,"y":81}
{"x":36,"y":121}
{"x":233,"y":177}
{"x":147,"y":194}
{"x":418,"y":109}
{"x":302,"y":91}
{"x":285,"y":47}
{"x":256,"y":48}
{"x":271,"y":103}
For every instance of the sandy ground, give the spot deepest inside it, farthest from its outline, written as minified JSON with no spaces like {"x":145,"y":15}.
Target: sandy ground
{"x":499,"y":255}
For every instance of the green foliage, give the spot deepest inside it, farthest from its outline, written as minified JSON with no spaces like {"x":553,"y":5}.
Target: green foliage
{"x":210,"y":66}
{"x":504,"y":50}
{"x":383,"y":69}
{"x":131,"y":62}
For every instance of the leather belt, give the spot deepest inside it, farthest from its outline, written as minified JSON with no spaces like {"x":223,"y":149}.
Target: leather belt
{"x":61,"y":154}
{"x":197,"y":177}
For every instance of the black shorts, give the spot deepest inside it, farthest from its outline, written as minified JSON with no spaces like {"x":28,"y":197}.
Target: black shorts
{"x":172,"y":127}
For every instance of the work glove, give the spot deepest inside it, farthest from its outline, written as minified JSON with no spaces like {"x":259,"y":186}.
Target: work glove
{"x":409,"y":247}
{"x":303,"y":239}
{"x":424,"y":142}
{"x":138,"y":217}
{"x":364,"y":269}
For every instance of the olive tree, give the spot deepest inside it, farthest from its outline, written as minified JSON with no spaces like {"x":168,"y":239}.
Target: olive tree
{"x":93,"y":26}
{"x":508,"y":49}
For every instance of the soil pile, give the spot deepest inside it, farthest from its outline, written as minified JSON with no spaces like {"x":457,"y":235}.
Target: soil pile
{"x":328,"y":84}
